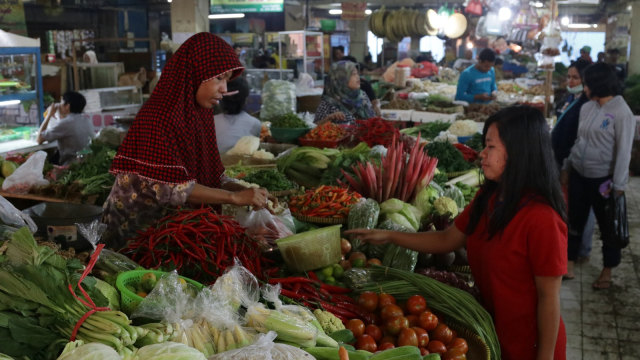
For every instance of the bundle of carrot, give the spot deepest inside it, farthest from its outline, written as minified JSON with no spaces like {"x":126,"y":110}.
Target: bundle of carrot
{"x":326,"y":132}
{"x":199,"y":244}
{"x":324,"y":201}
{"x":396,"y":176}
{"x":315,"y":294}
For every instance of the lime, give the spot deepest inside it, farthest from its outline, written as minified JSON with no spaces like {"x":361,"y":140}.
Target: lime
{"x":327,"y":271}
{"x":358,"y":263}
{"x":320,"y":275}
{"x":330,"y":280}
{"x":338,"y":271}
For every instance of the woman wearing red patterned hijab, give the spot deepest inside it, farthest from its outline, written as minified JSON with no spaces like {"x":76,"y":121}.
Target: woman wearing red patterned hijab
{"x":170,"y":155}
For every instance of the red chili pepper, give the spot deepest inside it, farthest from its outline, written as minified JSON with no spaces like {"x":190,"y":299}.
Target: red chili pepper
{"x":335,"y":289}
{"x":313,"y":275}
{"x":338,"y":310}
{"x":296,"y":279}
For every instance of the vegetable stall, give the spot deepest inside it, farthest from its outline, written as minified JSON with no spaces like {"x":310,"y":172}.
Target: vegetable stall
{"x":240,"y":283}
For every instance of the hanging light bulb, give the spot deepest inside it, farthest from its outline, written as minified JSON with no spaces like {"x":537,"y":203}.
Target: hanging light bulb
{"x":564,"y":21}
{"x":504,"y":14}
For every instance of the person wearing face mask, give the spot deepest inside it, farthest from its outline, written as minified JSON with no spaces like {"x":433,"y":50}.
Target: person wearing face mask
{"x":516,"y":236}
{"x":343,"y":101}
{"x":563,"y":136}
{"x":598,"y":164}
{"x":170,"y":157}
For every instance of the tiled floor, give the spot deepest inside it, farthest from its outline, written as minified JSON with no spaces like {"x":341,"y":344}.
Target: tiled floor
{"x":605,"y":324}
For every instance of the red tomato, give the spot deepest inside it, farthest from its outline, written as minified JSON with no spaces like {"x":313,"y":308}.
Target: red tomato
{"x":386,"y":346}
{"x":345,"y":246}
{"x":459,"y":343}
{"x":366,"y":342}
{"x":423,"y":351}
{"x":388,"y":339}
{"x":356,"y":326}
{"x":407,"y":337}
{"x":428,"y":320}
{"x":374,"y":261}
{"x":373,"y":331}
{"x":416,"y":304}
{"x":442,"y":333}
{"x":413,"y":320}
{"x":395,"y":324}
{"x":389,"y":311}
{"x":368,"y":300}
{"x":423,"y":336}
{"x":436,"y":346}
{"x":454,"y":354}
{"x":385,"y":299}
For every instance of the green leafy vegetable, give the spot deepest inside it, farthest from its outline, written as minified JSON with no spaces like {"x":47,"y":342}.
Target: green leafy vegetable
{"x":475,"y":142}
{"x":288,"y":121}
{"x":449,"y":158}
{"x":271,"y":179}
{"x":427,"y":130}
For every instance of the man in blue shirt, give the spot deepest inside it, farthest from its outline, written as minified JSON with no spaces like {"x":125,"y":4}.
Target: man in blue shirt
{"x":477,"y":83}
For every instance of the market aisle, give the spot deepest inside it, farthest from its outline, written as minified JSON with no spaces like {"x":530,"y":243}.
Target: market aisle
{"x":605,"y":324}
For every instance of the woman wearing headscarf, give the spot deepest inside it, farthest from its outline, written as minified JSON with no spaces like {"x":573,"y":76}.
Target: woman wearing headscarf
{"x":170,"y":156}
{"x":343,"y":101}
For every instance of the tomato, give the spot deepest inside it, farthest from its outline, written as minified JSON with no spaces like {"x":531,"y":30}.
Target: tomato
{"x":423,"y":351}
{"x":428,"y":321}
{"x":407,"y":337}
{"x":390,"y":311}
{"x":442,"y":333}
{"x":366,"y":342}
{"x":368,"y":300}
{"x":413,"y":320}
{"x":346,"y":265}
{"x":436,"y":346}
{"x":395,"y":324}
{"x":423,"y":336}
{"x":416,"y":304}
{"x":388,"y":339}
{"x":386,"y":346}
{"x":373,"y":331}
{"x":459,"y":343}
{"x":356,"y":326}
{"x":385,"y":299}
{"x":345,"y":246}
{"x":454,"y":354}
{"x":357,"y":258}
{"x":374,"y":261}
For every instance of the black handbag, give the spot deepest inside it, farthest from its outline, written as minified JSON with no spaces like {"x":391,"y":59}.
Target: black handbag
{"x":616,"y":212}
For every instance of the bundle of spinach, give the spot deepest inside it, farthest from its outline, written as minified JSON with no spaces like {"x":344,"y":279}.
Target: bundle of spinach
{"x":450,"y":159}
{"x":92,"y":172}
{"x":427,"y":130}
{"x":270,"y":179}
{"x":288,"y":121}
{"x":344,"y":161}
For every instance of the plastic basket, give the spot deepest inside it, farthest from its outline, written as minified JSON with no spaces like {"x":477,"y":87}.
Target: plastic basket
{"x":285,"y":135}
{"x":311,"y":249}
{"x":128,"y":299}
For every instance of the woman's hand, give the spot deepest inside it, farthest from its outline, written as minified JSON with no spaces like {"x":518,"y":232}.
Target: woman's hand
{"x":336,"y":116}
{"x":376,"y":237}
{"x":252,"y":197}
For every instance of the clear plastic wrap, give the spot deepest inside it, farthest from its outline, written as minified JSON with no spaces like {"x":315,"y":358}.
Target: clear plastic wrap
{"x":265,"y":349}
{"x":26,"y":176}
{"x":110,"y":262}
{"x":278,"y":98}
{"x":10,"y":215}
{"x":263,"y":226}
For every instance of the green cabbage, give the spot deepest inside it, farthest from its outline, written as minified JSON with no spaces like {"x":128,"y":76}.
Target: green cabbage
{"x":391,"y":206}
{"x":398,"y":219}
{"x":456,"y":195}
{"x":169,"y":351}
{"x":90,"y":351}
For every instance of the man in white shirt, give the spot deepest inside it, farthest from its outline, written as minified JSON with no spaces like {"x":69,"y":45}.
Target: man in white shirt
{"x":235,"y":123}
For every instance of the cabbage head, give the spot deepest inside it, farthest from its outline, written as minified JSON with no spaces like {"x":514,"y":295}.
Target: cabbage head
{"x":391,"y":206}
{"x":90,"y":351}
{"x":169,"y":351}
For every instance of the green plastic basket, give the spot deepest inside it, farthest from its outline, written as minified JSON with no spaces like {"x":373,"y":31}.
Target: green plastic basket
{"x":130,"y":300}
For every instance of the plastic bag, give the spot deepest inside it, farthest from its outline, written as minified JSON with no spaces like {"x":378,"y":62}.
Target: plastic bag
{"x":265,"y":349}
{"x":278,"y":98}
{"x":109,"y":261}
{"x":263,"y":226}
{"x":27,"y":175}
{"x":9,"y":215}
{"x":616,"y":210}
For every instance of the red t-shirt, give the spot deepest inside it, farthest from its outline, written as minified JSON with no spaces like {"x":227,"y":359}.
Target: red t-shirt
{"x":534,"y":243}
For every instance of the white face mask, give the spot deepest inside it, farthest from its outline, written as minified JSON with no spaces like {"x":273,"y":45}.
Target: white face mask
{"x":575,"y":90}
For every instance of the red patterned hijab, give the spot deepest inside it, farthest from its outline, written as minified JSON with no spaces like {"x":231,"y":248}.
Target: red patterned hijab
{"x":173,"y":139}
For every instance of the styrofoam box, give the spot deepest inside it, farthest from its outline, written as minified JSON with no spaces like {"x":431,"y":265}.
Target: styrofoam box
{"x":427,"y":116}
{"x":396,"y":115}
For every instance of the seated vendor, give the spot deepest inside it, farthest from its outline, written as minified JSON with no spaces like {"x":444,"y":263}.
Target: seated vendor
{"x":234,"y":122}
{"x":477,"y":83}
{"x":73,"y":132}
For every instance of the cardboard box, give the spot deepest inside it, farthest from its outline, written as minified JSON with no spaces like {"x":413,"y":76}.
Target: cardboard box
{"x":427,"y":116}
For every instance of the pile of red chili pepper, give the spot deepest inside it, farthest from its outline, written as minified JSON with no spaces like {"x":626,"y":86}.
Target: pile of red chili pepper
{"x":198,"y":243}
{"x":315,"y":294}
{"x":326,"y":132}
{"x":324,"y":201}
{"x":376,"y":131}
{"x":468,"y":153}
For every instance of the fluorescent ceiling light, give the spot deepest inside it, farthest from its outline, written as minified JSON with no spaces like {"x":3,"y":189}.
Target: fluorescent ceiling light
{"x":582,"y":26}
{"x":367,"y":12}
{"x":226,"y":16}
{"x":169,"y":1}
{"x":564,"y":21}
{"x":504,"y":14}
{"x":9,"y":102}
{"x":335,"y":12}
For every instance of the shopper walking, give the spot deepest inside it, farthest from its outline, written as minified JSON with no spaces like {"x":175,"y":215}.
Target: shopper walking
{"x":170,"y":156}
{"x":601,"y":153}
{"x":515,"y":233}
{"x":563,"y":136}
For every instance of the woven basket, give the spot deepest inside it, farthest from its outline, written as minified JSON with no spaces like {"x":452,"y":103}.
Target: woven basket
{"x":320,"y":220}
{"x":478,"y":349}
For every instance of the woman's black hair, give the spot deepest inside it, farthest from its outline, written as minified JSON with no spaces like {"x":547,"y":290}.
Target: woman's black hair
{"x":530,"y":169}
{"x":235,"y":103}
{"x":580,"y":65}
{"x":602,"y":80}
{"x":76,"y":101}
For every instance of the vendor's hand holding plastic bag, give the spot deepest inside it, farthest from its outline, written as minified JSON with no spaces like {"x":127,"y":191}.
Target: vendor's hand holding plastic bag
{"x":263,"y":226}
{"x":27,"y":175}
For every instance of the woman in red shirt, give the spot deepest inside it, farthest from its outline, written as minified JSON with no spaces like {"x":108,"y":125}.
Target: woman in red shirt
{"x":516,"y":236}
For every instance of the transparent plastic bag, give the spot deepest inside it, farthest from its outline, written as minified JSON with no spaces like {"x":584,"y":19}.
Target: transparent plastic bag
{"x":109,"y":261}
{"x":265,"y":349}
{"x":278,"y":98}
{"x":29,"y":174}
{"x":10,"y":215}
{"x":263,"y":226}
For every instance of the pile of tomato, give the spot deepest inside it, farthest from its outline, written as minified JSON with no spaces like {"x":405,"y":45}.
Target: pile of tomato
{"x":412,"y":323}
